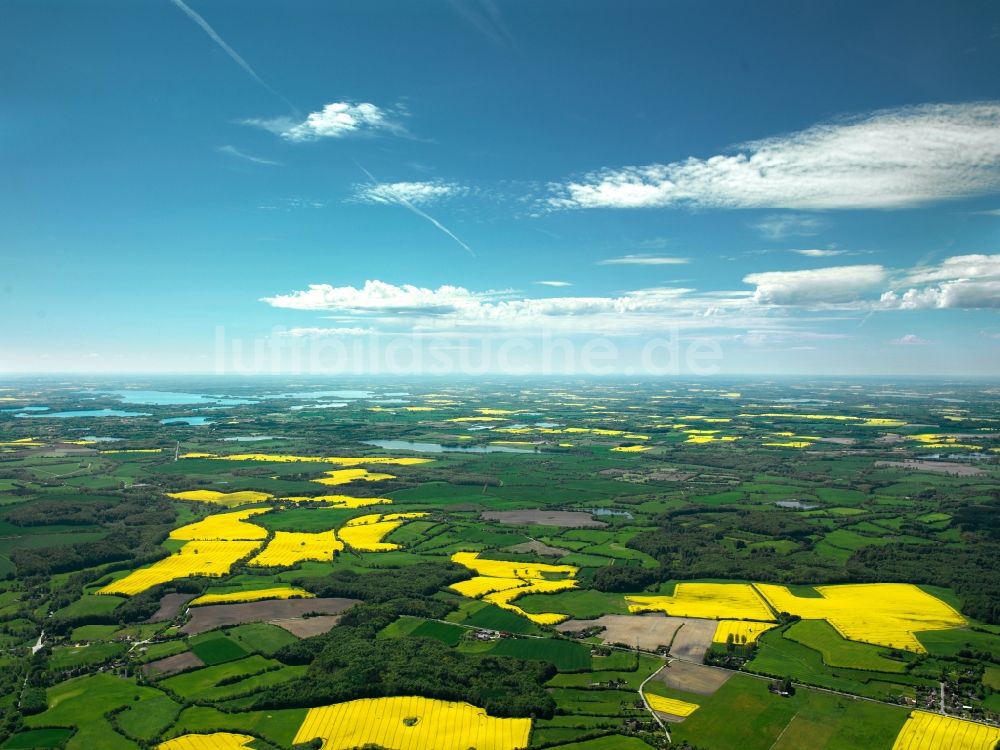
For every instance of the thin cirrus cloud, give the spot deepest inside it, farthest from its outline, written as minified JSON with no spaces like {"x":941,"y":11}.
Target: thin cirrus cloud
{"x":554,"y":283}
{"x":910,"y":339}
{"x":815,"y":252}
{"x":334,"y":120}
{"x":893,"y":158}
{"x":400,"y":193}
{"x":235,"y":152}
{"x":644,"y":260}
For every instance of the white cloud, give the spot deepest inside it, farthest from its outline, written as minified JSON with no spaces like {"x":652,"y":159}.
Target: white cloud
{"x":780,"y":226}
{"x":962,"y":281}
{"x":233,"y":151}
{"x":910,"y":339}
{"x":554,"y":283}
{"x":815,"y":286}
{"x":888,"y":159}
{"x":644,"y":260}
{"x":335,"y":120}
{"x":818,"y":253}
{"x":400,"y":193}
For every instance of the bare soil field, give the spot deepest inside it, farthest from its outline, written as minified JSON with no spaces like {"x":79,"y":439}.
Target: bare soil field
{"x":538,"y":548}
{"x":172,"y":665}
{"x":170,"y":607}
{"x":938,"y":467}
{"x":690,"y":637}
{"x":218,"y":615}
{"x":569,"y":519}
{"x":693,"y":678}
{"x":305,"y":627}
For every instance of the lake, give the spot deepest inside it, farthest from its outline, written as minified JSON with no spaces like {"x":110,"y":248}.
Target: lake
{"x":85,"y":413}
{"x":191,"y":421}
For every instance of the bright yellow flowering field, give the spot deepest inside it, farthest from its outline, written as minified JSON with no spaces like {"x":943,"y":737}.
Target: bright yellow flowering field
{"x":749,"y":631}
{"x":501,"y":582}
{"x":365,"y":533}
{"x":670,"y":705}
{"x":411,"y":723}
{"x":341,"y":501}
{"x":346,"y":476}
{"x":226,"y":499}
{"x":287,"y":548}
{"x":198,"y":558}
{"x":927,"y":731}
{"x":278,"y":592}
{"x":630,"y":448}
{"x":712,"y":601}
{"x":289,"y":458}
{"x":214,"y":741}
{"x":886,"y":614}
{"x":223,"y":526}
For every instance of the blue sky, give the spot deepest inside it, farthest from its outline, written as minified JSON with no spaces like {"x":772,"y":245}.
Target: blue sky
{"x":803,"y":188}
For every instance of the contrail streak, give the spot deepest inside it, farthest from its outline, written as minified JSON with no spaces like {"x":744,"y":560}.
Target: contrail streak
{"x":400,"y":201}
{"x":233,"y":54}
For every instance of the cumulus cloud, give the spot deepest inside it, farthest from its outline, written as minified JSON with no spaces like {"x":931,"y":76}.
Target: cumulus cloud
{"x":887,"y":159}
{"x":910,"y":339}
{"x":962,"y":281}
{"x":554,"y":283}
{"x":644,"y":260}
{"x":416,"y":193}
{"x":815,"y":286}
{"x":335,"y":120}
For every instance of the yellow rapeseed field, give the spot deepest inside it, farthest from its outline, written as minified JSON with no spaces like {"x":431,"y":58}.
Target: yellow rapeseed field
{"x":712,"y":601}
{"x":927,"y":731}
{"x":346,"y":476}
{"x":670,"y":706}
{"x":365,"y":533}
{"x":885,"y":614}
{"x":500,"y":582}
{"x":789,"y":444}
{"x":630,"y":448}
{"x":223,"y":526}
{"x":278,"y":592}
{"x":226,"y":499}
{"x":290,"y":547}
{"x":741,"y":630}
{"x":702,"y":439}
{"x":213,"y":741}
{"x":289,"y":458}
{"x":340,"y":501}
{"x":197,"y":558}
{"x":411,"y":723}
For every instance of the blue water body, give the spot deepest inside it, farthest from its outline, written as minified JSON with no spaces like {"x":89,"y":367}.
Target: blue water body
{"x":172,"y":398}
{"x":97,"y":439}
{"x":27,"y":408}
{"x":795,"y":505}
{"x":391,"y":401}
{"x":250,"y":438}
{"x":192,"y":421}
{"x":86,"y":413}
{"x":409,"y":445}
{"x":548,"y":424}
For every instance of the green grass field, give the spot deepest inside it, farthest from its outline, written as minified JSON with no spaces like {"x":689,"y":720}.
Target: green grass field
{"x":838,"y":652}
{"x":743,"y":714}
{"x":37,"y":738}
{"x":567,"y":656}
{"x":214,"y":648}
